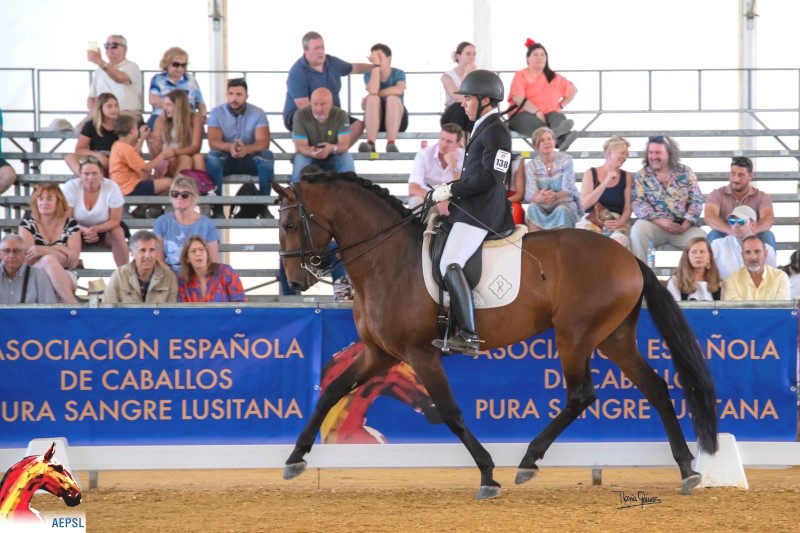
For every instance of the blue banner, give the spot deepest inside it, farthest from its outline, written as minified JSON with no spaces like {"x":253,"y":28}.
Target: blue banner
{"x":252,"y":375}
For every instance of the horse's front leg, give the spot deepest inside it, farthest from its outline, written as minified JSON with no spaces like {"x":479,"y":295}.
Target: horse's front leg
{"x":367,"y":364}
{"x":430,"y":372}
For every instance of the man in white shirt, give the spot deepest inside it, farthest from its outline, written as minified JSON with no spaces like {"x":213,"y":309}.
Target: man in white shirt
{"x":437,"y":164}
{"x":728,"y":250}
{"x":118,"y":76}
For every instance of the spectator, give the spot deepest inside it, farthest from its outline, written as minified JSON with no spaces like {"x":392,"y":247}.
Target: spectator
{"x":98,"y":135}
{"x":238,"y":141}
{"x":437,"y":164}
{"x":756,"y":280}
{"x":728,"y":250}
{"x":697,"y":276}
{"x":19,"y":283}
{"x":666,"y":199}
{"x":540,"y":95}
{"x":321,"y":136}
{"x":119,"y":76}
{"x":549,"y":185}
{"x":793,"y":271}
{"x":52,"y":240}
{"x":7,"y":175}
{"x":204,"y":280}
{"x":314,"y":70}
{"x":383,"y":105}
{"x":173,"y":228}
{"x":96,"y":204}
{"x":173,"y":76}
{"x":129,"y":170}
{"x":464,"y":58}
{"x":181,"y":129}
{"x":515,"y":188}
{"x":145,"y":279}
{"x":721,"y":202}
{"x":606,"y":194}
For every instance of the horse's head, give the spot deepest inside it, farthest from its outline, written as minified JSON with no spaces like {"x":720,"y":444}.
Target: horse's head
{"x":303,"y":238}
{"x":32,"y":473}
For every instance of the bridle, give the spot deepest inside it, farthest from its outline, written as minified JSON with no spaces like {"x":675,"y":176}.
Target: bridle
{"x":312,"y":258}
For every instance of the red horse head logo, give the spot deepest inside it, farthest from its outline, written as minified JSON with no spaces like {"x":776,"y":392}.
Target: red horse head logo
{"x":346,"y":422}
{"x":33,"y":473}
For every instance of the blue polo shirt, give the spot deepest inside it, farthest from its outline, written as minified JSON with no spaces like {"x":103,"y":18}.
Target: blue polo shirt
{"x":395,"y":76}
{"x":303,"y":80}
{"x":238,"y":126}
{"x":161,"y":85}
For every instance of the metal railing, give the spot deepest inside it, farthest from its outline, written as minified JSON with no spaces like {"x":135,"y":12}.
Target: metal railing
{"x":622,"y":92}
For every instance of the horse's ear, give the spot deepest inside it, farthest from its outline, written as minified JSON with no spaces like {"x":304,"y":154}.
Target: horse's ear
{"x":50,"y":453}
{"x":283,"y":192}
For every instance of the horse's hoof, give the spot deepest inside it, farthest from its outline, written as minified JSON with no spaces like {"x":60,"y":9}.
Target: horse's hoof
{"x":293,"y":470}
{"x":526,"y":474}
{"x":689,"y":483}
{"x":488,"y":491}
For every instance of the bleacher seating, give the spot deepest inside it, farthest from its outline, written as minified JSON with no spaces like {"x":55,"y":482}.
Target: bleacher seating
{"x":254,"y":241}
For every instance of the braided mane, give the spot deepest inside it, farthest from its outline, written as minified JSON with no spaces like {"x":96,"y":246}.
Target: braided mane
{"x":377,"y":190}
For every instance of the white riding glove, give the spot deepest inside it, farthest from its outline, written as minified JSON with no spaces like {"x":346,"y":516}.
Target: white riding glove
{"x":441,"y":193}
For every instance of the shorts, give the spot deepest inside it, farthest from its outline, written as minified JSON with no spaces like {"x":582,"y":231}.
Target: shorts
{"x":403,"y":121}
{"x":144,"y":188}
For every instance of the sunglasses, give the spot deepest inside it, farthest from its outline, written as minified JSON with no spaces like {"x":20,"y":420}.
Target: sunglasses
{"x":660,"y":139}
{"x":175,"y":64}
{"x":743,"y":162}
{"x":183,"y":194}
{"x":735,"y":220}
{"x":112,"y":46}
{"x":88,"y":159}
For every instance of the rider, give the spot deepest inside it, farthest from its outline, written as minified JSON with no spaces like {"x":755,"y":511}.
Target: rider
{"x":478,"y":201}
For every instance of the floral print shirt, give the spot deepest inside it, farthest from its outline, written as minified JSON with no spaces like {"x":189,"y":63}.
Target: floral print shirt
{"x":680,"y":197}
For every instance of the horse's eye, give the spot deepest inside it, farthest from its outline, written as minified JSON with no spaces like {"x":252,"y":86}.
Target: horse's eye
{"x":289,"y":226}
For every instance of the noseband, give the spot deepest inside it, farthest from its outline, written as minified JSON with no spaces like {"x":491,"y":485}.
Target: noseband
{"x":310,"y":259}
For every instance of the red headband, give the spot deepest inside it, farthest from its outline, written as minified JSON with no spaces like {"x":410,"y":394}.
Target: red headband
{"x":530,"y":42}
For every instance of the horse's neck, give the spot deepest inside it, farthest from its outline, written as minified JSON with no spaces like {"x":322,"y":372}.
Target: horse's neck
{"x":16,"y":497}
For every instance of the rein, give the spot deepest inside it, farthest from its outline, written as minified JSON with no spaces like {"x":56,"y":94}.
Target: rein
{"x":316,"y":259}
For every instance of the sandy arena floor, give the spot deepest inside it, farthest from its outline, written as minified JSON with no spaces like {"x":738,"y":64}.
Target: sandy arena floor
{"x":428,"y":500}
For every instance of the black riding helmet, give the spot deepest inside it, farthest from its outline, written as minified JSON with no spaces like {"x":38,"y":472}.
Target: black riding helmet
{"x":483,"y":83}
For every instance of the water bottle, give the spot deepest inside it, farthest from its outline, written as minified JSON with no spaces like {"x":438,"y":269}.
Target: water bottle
{"x":651,"y":255}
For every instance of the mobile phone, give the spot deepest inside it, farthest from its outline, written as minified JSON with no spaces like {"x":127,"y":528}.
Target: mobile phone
{"x":678,"y":220}
{"x":320,"y":145}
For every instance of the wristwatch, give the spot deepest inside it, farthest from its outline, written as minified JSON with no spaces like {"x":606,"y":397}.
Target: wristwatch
{"x":335,"y":148}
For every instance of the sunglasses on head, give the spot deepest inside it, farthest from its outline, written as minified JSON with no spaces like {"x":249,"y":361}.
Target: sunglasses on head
{"x":88,"y":159}
{"x":660,"y":139}
{"x":175,"y":64}
{"x":112,"y":46}
{"x":183,"y":194}
{"x":743,"y":162}
{"x":736,"y":220}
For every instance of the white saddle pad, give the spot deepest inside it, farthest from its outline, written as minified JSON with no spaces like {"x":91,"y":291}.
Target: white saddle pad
{"x":499,"y":284}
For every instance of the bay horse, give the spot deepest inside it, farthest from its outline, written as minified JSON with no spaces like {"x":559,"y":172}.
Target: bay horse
{"x":346,"y":422}
{"x":588,"y":288}
{"x":33,"y":473}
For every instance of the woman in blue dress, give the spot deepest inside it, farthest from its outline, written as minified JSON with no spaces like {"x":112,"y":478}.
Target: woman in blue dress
{"x":550,"y":186}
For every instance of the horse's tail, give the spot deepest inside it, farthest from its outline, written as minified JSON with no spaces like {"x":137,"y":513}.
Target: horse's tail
{"x":698,"y":386}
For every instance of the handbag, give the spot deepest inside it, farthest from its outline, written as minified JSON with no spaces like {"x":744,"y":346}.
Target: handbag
{"x":599,"y":215}
{"x":201,"y":178}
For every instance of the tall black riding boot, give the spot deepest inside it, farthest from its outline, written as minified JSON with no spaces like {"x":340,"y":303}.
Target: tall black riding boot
{"x":466,"y":341}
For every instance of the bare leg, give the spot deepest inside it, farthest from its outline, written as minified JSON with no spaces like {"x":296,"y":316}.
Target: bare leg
{"x":7,"y":178}
{"x":356,"y":130}
{"x":179,"y":163}
{"x":198,"y":162}
{"x":161,"y":185}
{"x":372,"y":116}
{"x":72,"y":162}
{"x":115,"y":239}
{"x":394,"y":116}
{"x":61,"y":281}
{"x":531,"y":226}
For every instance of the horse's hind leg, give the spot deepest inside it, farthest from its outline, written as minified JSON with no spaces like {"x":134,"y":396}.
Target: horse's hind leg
{"x":580,"y":395}
{"x":366,"y":365}
{"x":621,"y":349}
{"x":432,"y":376}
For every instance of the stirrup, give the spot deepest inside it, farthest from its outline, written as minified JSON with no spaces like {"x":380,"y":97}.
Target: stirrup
{"x":466,"y":343}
